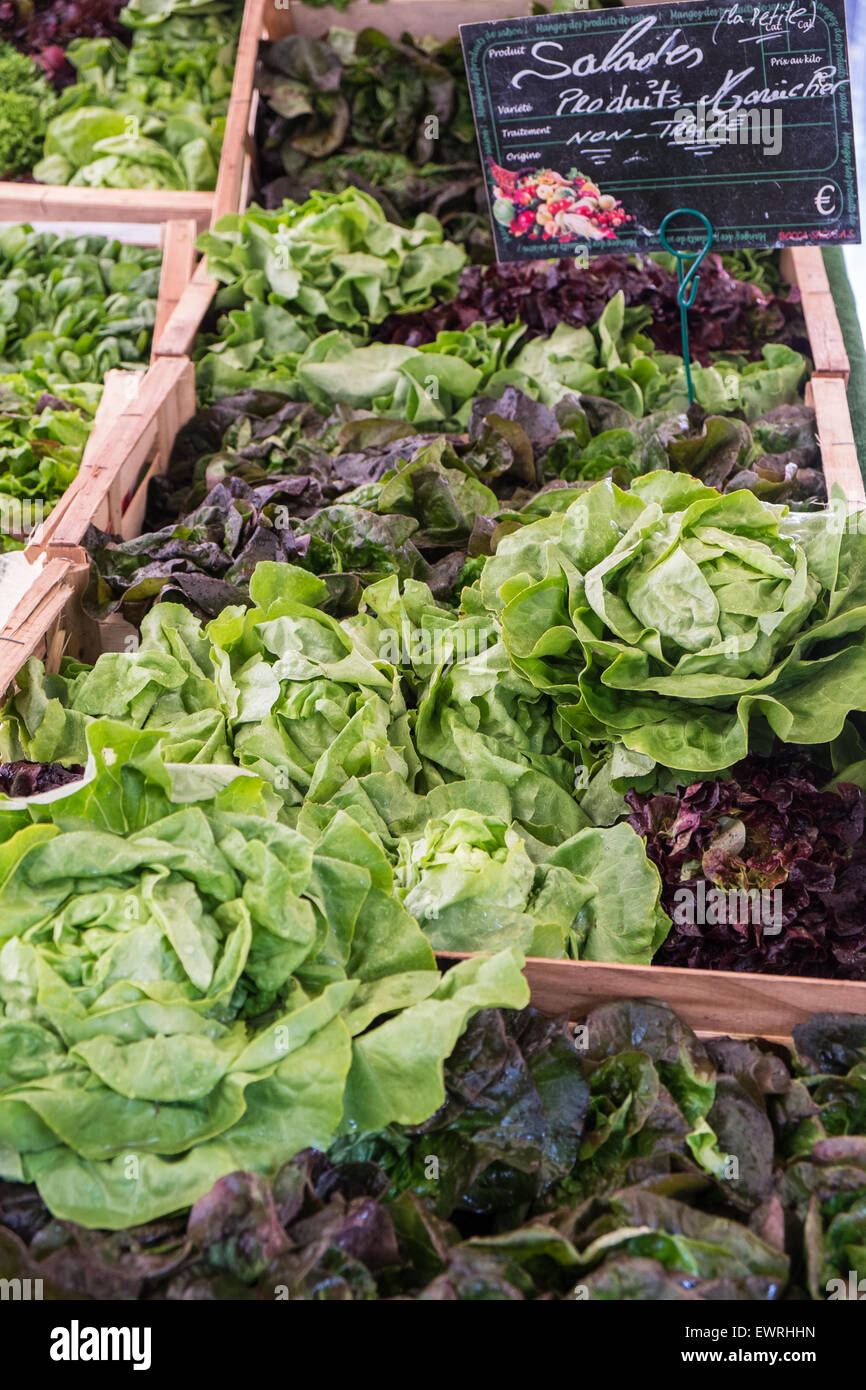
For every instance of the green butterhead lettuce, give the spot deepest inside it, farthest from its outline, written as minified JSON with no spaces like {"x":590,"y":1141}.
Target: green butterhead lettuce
{"x":682,"y":624}
{"x":188,"y":986}
{"x":333,"y":262}
{"x":474,"y":880}
{"x":434,"y":383}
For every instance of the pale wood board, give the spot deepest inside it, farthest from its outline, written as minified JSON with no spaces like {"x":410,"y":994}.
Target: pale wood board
{"x":40,"y":624}
{"x":178,"y":262}
{"x":119,"y":389}
{"x":713,"y":1001}
{"x":137,"y":429}
{"x":235,"y":153}
{"x":804,"y":267}
{"x":179,"y":333}
{"x":40,"y":202}
{"x":829,"y":398}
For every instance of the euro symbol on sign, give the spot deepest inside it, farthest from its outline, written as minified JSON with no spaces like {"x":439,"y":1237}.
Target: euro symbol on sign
{"x":825,"y":200}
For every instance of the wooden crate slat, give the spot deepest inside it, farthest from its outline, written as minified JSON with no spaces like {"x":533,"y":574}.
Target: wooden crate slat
{"x":712,"y":1001}
{"x":249,"y":181}
{"x":128,"y":522}
{"x":235,"y":155}
{"x":178,"y":335}
{"x":178,"y":262}
{"x":829,"y":398}
{"x":41,"y":202}
{"x":34,"y":627}
{"x":122,"y":449}
{"x":805,"y":268}
{"x":808,"y":272}
{"x":119,"y":390}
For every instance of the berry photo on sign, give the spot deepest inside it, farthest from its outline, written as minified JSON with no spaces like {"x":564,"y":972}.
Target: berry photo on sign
{"x":542,"y":204}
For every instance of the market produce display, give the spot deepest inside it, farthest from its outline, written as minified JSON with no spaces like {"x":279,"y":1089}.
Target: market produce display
{"x":71,"y":308}
{"x":591,"y":1173}
{"x":26,"y":101}
{"x":147,"y":114}
{"x":454,"y":626}
{"x":42,"y":438}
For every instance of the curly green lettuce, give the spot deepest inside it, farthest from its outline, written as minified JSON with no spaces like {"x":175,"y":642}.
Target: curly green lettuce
{"x":26,"y":102}
{"x":333,"y":261}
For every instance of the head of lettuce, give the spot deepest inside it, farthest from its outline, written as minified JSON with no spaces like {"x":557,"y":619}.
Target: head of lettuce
{"x":678,"y":627}
{"x":189,"y":987}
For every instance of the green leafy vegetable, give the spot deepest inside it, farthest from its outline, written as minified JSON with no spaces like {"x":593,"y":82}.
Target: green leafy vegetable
{"x":151,"y":115}
{"x":188,"y":987}
{"x":42,"y":438}
{"x":471,"y":882}
{"x":331,"y":261}
{"x":683,"y":625}
{"x":74,"y":307}
{"x":26,"y":102}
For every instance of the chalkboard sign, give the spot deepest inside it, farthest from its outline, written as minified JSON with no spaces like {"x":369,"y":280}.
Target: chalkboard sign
{"x":594,"y":125}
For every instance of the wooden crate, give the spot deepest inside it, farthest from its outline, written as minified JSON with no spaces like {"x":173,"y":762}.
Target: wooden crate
{"x":45,"y":623}
{"x":177,"y":333}
{"x":178,"y":264}
{"x":804,"y":267}
{"x":40,"y":202}
{"x":238,"y":152}
{"x":828,"y":395}
{"x":178,"y":254}
{"x":709,"y":1001}
{"x":130,"y":443}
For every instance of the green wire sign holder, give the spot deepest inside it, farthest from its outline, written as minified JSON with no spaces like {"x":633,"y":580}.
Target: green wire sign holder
{"x":688,"y":279}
